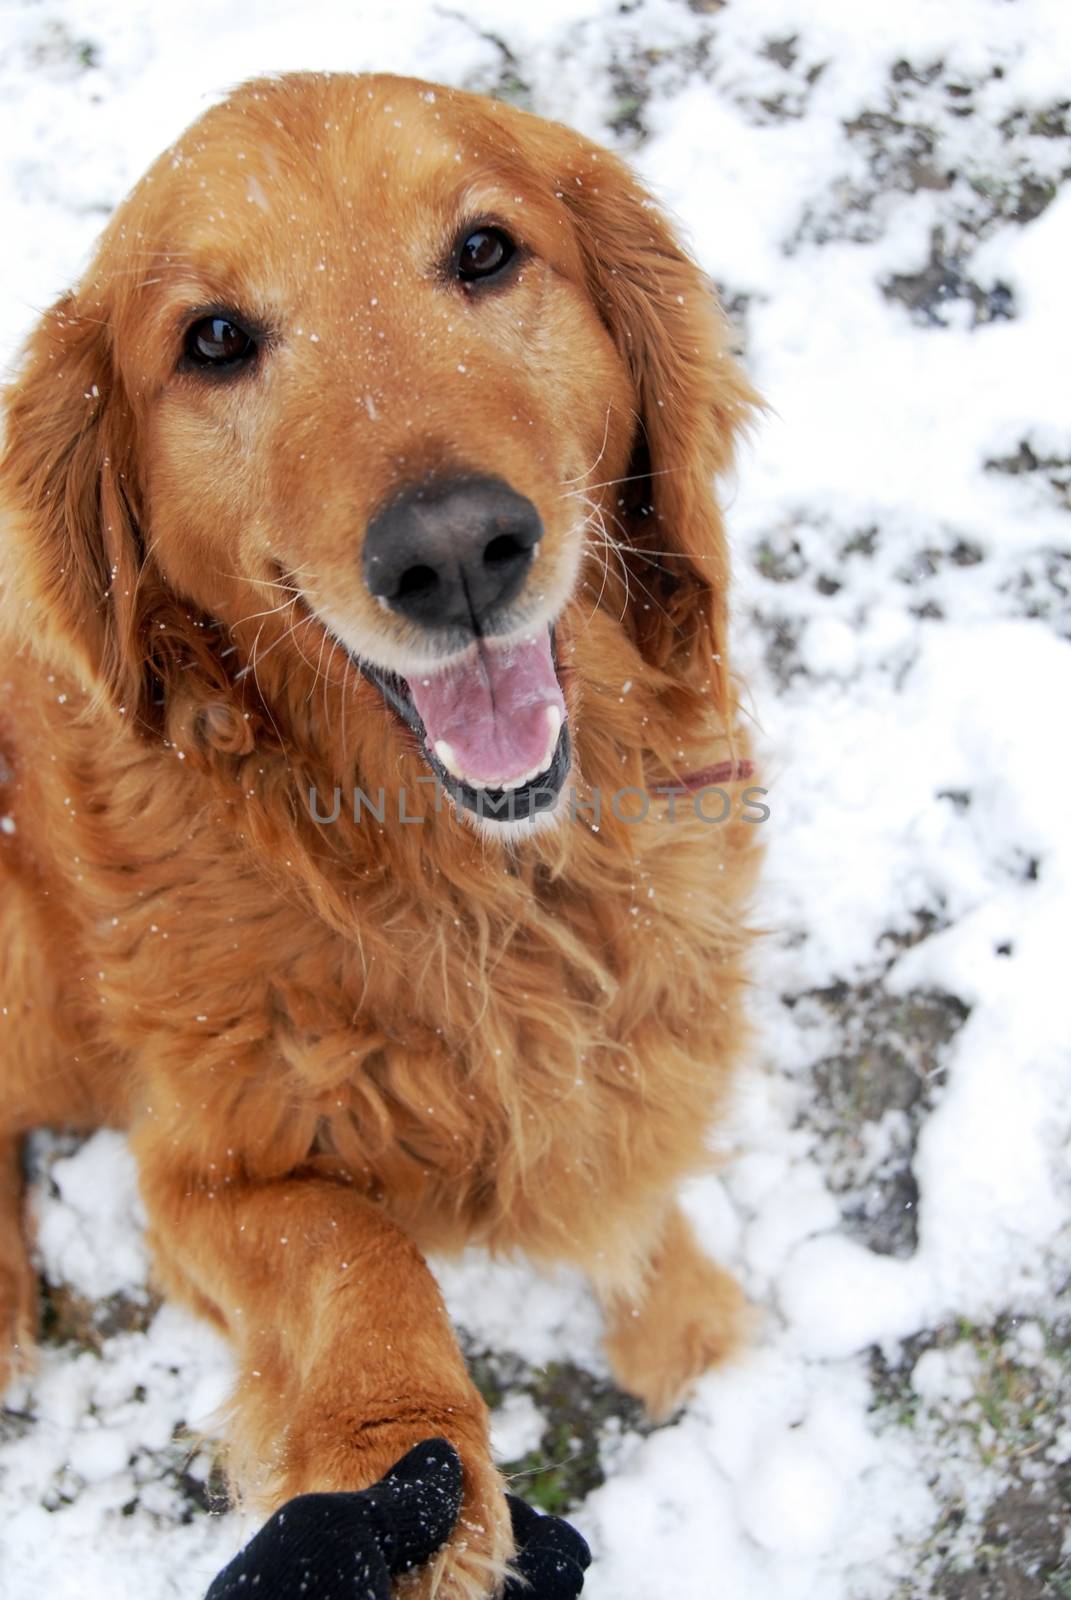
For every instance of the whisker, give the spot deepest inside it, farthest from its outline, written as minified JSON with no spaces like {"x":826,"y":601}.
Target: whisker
{"x":605,"y":574}
{"x":301,"y":622}
{"x":674,"y":555}
{"x":268,"y":583}
{"x":272,"y":611}
{"x":602,"y":449}
{"x":610,"y":483}
{"x":263,"y":698}
{"x":345,"y":696}
{"x":606,"y":539}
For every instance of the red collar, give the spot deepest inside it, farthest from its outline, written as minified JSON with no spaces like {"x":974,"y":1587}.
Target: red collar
{"x":713,"y":777}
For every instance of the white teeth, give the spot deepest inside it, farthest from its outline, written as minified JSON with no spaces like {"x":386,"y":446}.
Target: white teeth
{"x":445,"y":753}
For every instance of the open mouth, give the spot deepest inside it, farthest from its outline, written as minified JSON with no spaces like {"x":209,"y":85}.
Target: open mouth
{"x":491,"y":726}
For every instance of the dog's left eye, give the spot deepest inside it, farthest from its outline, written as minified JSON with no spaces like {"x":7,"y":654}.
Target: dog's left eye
{"x":484,"y":253}
{"x":219,"y":342}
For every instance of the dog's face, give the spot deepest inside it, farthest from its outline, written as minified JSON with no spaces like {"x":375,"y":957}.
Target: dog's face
{"x":380,"y":402}
{"x":366,"y":365}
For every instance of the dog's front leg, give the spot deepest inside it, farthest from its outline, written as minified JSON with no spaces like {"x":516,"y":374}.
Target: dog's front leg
{"x":346,"y":1354}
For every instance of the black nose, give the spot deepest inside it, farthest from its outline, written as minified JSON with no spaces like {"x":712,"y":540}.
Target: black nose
{"x":451,"y":552}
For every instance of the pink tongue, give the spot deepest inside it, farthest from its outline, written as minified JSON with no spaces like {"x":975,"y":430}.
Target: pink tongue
{"x":492,"y":710}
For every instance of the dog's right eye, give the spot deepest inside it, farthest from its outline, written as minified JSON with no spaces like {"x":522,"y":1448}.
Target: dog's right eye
{"x":219,"y":342}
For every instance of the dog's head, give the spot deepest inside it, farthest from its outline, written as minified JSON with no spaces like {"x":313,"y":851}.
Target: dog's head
{"x":377,"y":389}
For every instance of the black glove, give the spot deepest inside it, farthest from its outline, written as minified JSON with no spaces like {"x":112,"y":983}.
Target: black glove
{"x":350,"y":1546}
{"x":551,"y":1556}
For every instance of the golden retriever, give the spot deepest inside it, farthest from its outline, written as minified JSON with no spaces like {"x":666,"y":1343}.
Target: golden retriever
{"x":365,"y":638}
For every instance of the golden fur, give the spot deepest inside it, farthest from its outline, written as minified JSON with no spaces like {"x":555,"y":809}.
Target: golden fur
{"x":336,"y":1047}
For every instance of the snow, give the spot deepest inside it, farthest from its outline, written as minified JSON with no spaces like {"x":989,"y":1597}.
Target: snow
{"x":516,"y":1427}
{"x":928,"y":665}
{"x":86,"y":1237}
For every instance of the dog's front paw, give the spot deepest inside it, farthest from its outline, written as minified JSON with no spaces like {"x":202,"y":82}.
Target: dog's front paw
{"x":410,"y":1534}
{"x":352,"y":1541}
{"x":549,"y":1561}
{"x":472,"y":1564}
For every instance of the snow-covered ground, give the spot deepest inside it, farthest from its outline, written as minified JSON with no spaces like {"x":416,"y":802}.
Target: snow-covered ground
{"x":881,"y":192}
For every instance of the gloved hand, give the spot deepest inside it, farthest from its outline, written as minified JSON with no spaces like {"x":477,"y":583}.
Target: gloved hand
{"x":350,"y":1546}
{"x":551,"y":1556}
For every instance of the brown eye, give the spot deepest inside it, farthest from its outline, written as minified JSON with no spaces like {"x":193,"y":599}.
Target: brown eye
{"x":219,"y":342}
{"x":484,"y":253}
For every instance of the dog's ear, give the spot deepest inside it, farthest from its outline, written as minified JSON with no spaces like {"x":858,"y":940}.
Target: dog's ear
{"x":69,"y":480}
{"x":68,"y":477}
{"x":692,"y":400}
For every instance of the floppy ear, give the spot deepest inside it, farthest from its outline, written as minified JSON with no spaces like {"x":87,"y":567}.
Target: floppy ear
{"x":70,"y":482}
{"x":68,"y":475}
{"x":693,"y":401}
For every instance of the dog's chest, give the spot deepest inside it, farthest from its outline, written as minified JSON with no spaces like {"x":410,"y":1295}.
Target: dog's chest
{"x":520,"y":1086}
